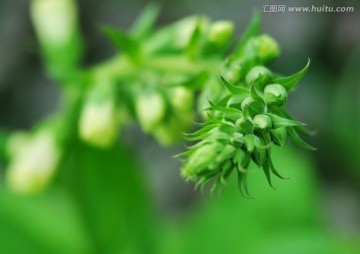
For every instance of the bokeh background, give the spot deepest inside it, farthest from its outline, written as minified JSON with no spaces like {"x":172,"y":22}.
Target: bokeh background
{"x":154,"y":210}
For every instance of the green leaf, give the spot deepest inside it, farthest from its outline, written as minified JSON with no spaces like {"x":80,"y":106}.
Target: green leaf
{"x":290,"y":82}
{"x":259,"y":155}
{"x":193,"y":46}
{"x":234,"y":90}
{"x":266,"y":169}
{"x":122,"y":41}
{"x":226,"y":170}
{"x":223,"y":109}
{"x":295,"y":137}
{"x":272,"y":168}
{"x":252,"y":31}
{"x":251,"y":142}
{"x":145,"y":22}
{"x":245,"y":159}
{"x":255,"y":95}
{"x":279,"y":136}
{"x":279,"y":122}
{"x":210,"y":122}
{"x":242,"y":183}
{"x":195,"y":82}
{"x":282,"y":112}
{"x":201,"y":131}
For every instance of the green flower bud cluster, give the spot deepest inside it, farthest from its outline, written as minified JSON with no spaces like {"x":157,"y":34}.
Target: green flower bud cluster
{"x":246,"y":121}
{"x":165,"y":113}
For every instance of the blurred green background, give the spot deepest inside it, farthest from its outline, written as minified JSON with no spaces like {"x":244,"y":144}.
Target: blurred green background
{"x":131,"y":199}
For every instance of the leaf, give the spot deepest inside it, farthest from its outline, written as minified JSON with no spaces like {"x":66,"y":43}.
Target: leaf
{"x":267,"y":174}
{"x":145,"y":22}
{"x":242,"y":183}
{"x":282,"y":112}
{"x":193,"y":45}
{"x":246,"y":159}
{"x":234,"y":90}
{"x":197,"y":138}
{"x":255,"y":95}
{"x":210,"y":122}
{"x":251,"y":142}
{"x":279,"y":136}
{"x":223,"y":109}
{"x":252,"y":31}
{"x":295,"y":137}
{"x":201,"y":131}
{"x":226,"y":170}
{"x":272,"y":168}
{"x":195,"y":82}
{"x":122,"y":41}
{"x":290,"y":82}
{"x":279,"y":122}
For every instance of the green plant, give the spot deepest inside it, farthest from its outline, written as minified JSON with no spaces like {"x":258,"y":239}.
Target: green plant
{"x":153,"y":79}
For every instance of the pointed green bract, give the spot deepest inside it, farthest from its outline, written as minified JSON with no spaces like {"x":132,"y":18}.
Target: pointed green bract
{"x":234,"y":90}
{"x":123,"y":42}
{"x":291,"y":81}
{"x":144,"y":24}
{"x":252,"y":31}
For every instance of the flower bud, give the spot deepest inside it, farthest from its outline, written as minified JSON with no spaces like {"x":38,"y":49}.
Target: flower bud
{"x":99,"y":123}
{"x":201,"y":159}
{"x":279,"y":136}
{"x":267,"y":48}
{"x":226,"y":153}
{"x":252,"y":106}
{"x":259,"y":155}
{"x":251,"y":142}
{"x":150,"y":110}
{"x":184,"y":29}
{"x":55,"y":22}
{"x":259,"y":76}
{"x":34,"y":164}
{"x":182,"y":99}
{"x":244,"y":125}
{"x":275,"y":94}
{"x":15,"y":142}
{"x":237,"y":139}
{"x":220,"y":32}
{"x":171,"y":130}
{"x":262,"y":123}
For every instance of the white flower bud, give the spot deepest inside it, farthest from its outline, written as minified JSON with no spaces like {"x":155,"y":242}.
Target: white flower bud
{"x":150,"y":110}
{"x":54,"y":20}
{"x":34,"y":164}
{"x":99,"y":121}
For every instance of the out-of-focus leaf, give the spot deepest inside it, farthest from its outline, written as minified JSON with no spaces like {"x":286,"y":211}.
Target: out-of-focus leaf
{"x":252,"y":30}
{"x":146,"y":21}
{"x":108,"y":187}
{"x":122,"y":41}
{"x":47,"y":223}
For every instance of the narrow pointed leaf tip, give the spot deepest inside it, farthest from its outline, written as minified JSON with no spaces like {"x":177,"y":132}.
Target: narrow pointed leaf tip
{"x":145,"y":22}
{"x":290,"y":82}
{"x":123,"y":42}
{"x":234,"y":90}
